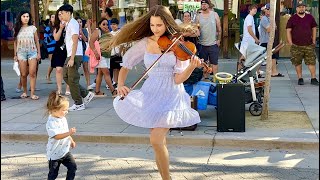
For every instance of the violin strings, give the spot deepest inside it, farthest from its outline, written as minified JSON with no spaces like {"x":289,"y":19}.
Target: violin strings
{"x":185,"y":49}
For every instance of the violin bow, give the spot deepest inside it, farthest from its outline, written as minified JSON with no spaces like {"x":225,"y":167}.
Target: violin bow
{"x":154,"y":63}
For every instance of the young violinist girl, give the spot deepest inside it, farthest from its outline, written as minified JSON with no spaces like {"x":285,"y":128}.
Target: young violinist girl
{"x":162,"y":102}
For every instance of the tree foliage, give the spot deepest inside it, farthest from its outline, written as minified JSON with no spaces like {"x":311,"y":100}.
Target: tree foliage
{"x":44,"y":6}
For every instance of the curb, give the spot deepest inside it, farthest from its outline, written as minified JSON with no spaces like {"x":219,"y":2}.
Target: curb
{"x":186,"y":140}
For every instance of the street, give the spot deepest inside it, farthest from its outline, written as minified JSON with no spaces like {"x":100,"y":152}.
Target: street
{"x":26,"y":160}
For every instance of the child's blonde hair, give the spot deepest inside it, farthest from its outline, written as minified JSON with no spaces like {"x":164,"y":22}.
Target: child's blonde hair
{"x":55,"y":102}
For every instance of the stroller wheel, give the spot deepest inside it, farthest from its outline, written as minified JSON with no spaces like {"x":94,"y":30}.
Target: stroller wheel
{"x":255,"y":109}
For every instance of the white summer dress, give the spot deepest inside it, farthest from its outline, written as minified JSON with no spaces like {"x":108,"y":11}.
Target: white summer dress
{"x":160,"y":102}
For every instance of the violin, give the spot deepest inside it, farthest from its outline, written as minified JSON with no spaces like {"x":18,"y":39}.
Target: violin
{"x":183,"y":50}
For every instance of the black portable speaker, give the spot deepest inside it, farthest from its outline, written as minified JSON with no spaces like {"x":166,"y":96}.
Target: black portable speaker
{"x":230,"y":108}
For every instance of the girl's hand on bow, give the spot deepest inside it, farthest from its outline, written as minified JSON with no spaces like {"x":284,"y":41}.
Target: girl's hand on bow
{"x":123,"y":91}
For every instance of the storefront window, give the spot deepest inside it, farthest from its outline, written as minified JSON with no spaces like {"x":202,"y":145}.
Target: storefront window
{"x":128,"y":10}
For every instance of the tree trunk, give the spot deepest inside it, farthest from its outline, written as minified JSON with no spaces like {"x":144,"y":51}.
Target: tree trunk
{"x":265,"y":106}
{"x":224,"y":33}
{"x":95,"y":9}
{"x":45,"y":8}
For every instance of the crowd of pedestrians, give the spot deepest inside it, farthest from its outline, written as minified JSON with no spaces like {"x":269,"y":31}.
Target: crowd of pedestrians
{"x":66,"y":41}
{"x":57,"y":39}
{"x":301,"y":36}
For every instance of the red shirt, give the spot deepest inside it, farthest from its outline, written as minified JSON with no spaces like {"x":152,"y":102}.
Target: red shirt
{"x":301,"y":32}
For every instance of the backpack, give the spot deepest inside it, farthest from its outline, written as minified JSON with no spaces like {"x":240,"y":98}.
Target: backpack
{"x":48,"y":36}
{"x":49,"y":40}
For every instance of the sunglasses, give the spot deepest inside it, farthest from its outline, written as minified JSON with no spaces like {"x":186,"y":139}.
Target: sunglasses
{"x":267,"y":9}
{"x":104,"y":24}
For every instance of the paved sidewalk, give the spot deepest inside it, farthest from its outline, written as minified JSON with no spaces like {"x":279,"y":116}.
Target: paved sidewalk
{"x":26,"y":161}
{"x":293,"y":122}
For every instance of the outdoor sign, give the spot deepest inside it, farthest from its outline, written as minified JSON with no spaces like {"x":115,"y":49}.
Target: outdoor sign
{"x":191,"y":6}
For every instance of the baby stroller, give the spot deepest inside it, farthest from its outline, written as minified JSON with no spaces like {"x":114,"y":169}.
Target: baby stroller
{"x":247,"y":75}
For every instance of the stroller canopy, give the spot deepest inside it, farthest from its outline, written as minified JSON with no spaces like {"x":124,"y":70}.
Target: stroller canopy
{"x":253,"y":53}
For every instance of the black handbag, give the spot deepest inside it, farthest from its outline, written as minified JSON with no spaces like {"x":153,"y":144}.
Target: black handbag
{"x":116,"y":58}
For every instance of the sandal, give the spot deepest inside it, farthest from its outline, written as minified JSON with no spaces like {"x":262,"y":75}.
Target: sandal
{"x":34,"y":97}
{"x":99,"y":94}
{"x":278,"y":75}
{"x":23,"y":96}
{"x":114,"y":93}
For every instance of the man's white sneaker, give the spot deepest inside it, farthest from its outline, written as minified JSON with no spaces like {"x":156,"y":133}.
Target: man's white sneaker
{"x":88,"y":98}
{"x":75,"y":107}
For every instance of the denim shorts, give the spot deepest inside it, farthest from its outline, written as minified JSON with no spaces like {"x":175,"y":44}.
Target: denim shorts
{"x":28,"y":55}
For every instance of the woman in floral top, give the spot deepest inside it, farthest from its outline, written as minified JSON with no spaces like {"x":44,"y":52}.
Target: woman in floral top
{"x":26,"y":51}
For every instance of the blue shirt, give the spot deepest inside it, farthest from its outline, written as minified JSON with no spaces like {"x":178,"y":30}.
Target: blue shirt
{"x":264,"y":35}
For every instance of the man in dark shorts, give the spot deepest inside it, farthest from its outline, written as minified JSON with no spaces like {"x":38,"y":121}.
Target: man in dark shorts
{"x":210,"y":35}
{"x":301,"y":35}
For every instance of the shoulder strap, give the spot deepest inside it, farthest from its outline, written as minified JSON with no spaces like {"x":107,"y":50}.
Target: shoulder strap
{"x":99,"y":33}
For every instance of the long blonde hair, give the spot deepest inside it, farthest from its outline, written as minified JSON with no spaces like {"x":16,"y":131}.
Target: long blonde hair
{"x":140,"y":28}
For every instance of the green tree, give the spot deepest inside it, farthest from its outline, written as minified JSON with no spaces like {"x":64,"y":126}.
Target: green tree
{"x":44,"y":6}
